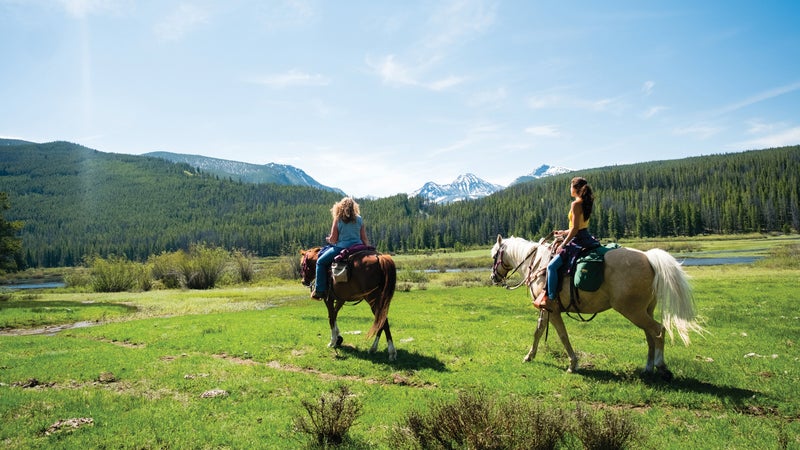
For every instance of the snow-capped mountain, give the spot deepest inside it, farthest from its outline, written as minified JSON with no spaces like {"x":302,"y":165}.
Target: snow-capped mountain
{"x":465,"y":187}
{"x":246,"y":172}
{"x":542,"y":171}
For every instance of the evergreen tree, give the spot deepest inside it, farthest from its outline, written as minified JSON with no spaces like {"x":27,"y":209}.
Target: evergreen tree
{"x":10,"y":243}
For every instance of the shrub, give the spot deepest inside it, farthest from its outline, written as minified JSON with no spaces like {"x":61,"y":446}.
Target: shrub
{"x":481,"y":422}
{"x":165,"y":268}
{"x":610,"y":431}
{"x":243,"y":261}
{"x":117,"y":274}
{"x":203,"y":267}
{"x":329,"y":418}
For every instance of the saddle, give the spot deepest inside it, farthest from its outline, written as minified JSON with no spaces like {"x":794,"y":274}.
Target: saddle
{"x":342,"y":263}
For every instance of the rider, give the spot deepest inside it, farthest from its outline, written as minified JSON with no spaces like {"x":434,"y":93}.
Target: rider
{"x":347,"y":229}
{"x":576,"y":239}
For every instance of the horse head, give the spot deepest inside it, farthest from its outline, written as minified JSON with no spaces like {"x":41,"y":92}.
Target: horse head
{"x":500,"y":268}
{"x":308,"y":265}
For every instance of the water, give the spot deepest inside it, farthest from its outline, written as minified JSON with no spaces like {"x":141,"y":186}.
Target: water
{"x":42,"y":285}
{"x":719,"y":261}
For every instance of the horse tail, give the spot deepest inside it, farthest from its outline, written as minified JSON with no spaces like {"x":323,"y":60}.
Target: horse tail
{"x":387,"y":292}
{"x":671,"y":288}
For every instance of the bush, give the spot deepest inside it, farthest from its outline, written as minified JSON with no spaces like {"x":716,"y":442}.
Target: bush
{"x":203,"y":267}
{"x":243,"y":261}
{"x":329,"y":418}
{"x":480,"y":422}
{"x":117,"y":274}
{"x":165,"y":268}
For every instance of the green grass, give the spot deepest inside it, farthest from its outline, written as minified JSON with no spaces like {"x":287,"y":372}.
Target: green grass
{"x":140,"y":372}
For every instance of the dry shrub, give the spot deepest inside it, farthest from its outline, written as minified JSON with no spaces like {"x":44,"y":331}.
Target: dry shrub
{"x":330,"y":417}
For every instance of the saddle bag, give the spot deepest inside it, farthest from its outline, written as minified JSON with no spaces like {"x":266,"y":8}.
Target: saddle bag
{"x":589,"y":268}
{"x":339,"y":271}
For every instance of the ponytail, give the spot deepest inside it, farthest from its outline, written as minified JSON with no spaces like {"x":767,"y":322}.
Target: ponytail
{"x":584,"y":191}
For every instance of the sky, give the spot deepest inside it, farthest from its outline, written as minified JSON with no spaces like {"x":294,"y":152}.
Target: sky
{"x":379,"y":97}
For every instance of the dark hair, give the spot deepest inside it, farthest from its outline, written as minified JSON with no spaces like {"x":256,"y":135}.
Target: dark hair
{"x":584,"y":191}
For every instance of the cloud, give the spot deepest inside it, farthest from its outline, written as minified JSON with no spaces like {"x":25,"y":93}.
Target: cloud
{"x":394,"y":72}
{"x":292,"y":78}
{"x":569,"y":102}
{"x":544,"y":131}
{"x":783,"y":138}
{"x":760,"y":97}
{"x":699,"y":131}
{"x":647,"y":87}
{"x":182,"y":21}
{"x":652,"y":111}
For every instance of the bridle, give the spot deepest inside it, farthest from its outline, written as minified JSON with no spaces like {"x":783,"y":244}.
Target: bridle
{"x":531,"y":275}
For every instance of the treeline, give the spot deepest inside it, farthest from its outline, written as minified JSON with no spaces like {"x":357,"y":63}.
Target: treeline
{"x":76,"y":202}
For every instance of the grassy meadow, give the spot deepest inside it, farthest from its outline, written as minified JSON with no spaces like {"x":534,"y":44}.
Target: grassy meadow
{"x":231,"y":367}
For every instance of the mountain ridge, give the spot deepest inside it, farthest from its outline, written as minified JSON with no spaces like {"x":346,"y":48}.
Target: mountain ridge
{"x":281,"y":174}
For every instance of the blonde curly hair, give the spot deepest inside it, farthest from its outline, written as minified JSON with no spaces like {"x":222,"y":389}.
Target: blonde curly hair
{"x":346,"y":209}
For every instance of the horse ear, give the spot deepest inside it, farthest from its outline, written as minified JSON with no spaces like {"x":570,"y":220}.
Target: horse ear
{"x":499,"y":239}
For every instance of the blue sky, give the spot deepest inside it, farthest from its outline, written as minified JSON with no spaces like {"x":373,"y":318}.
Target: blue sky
{"x":379,"y":97}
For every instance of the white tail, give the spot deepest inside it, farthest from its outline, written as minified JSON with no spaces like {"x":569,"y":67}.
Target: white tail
{"x":671,"y":288}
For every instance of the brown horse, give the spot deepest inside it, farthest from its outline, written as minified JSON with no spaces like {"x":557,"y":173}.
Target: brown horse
{"x":372,"y":278}
{"x":634,"y":283}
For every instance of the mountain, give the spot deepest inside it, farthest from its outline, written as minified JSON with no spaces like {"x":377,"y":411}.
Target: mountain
{"x":470,"y":187}
{"x":465,"y":187}
{"x":542,"y":171}
{"x":248,"y":173}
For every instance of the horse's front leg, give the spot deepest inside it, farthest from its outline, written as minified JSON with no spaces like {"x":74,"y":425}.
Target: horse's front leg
{"x":541,"y":325}
{"x":333,"y":312}
{"x":561,"y":329}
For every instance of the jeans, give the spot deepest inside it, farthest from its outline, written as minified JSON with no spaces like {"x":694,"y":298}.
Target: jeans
{"x":552,"y":275}
{"x":324,"y":261}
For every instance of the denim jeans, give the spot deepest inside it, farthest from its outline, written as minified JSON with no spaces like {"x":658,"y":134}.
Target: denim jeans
{"x":324,"y":261}
{"x":552,"y":275}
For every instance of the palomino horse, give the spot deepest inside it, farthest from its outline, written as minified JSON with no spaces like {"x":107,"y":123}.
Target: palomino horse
{"x":634,"y":283}
{"x":372,"y":278}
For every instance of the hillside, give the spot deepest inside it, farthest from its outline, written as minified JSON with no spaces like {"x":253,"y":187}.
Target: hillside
{"x":76,"y":201}
{"x":249,"y":173}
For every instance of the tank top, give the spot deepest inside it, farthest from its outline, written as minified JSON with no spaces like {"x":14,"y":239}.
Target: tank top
{"x":349,"y":233}
{"x":570,"y":221}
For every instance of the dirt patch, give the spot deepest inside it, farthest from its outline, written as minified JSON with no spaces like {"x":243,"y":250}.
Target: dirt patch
{"x":68,"y":424}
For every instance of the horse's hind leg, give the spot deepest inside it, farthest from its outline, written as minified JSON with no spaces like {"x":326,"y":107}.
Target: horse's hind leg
{"x":541,"y":325}
{"x":654,"y":332}
{"x":389,"y":342}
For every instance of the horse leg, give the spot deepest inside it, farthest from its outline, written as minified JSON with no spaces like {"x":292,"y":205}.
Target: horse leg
{"x":541,"y":325}
{"x":389,"y":342}
{"x":333,"y":312}
{"x":654,"y":333}
{"x":561,"y":329}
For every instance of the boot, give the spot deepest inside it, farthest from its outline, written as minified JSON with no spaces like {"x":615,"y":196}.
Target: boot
{"x":542,"y":300}
{"x":318,"y":295}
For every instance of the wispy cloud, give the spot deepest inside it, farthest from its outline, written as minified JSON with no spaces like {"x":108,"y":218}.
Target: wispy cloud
{"x":183,"y":20}
{"x":558,"y":101}
{"x":653,"y":111}
{"x":544,"y":131}
{"x":451,"y":25}
{"x":790,"y":136}
{"x":760,"y":97}
{"x":701,"y":131}
{"x":292,"y":78}
{"x":647,"y":87}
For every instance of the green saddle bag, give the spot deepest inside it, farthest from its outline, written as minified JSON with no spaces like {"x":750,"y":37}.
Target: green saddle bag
{"x":589,"y":268}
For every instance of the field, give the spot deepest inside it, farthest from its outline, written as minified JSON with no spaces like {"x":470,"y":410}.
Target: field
{"x":141,"y":370}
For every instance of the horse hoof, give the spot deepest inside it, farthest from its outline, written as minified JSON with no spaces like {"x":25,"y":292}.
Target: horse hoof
{"x":339,"y":341}
{"x":666,"y":375}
